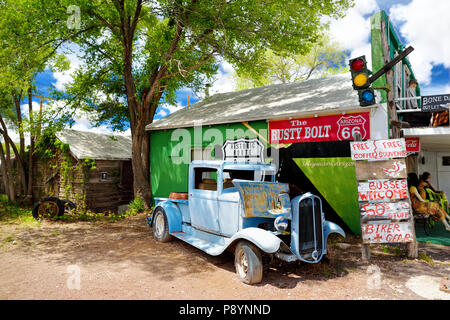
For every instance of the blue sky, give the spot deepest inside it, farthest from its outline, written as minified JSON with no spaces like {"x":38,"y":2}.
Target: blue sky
{"x":417,"y":23}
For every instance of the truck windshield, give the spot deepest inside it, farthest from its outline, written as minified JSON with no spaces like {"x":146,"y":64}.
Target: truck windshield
{"x":253,"y":175}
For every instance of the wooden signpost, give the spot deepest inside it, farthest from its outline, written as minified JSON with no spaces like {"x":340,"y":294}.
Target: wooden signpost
{"x":385,"y":206}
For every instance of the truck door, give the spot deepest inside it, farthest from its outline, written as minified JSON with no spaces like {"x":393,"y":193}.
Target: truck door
{"x":203,"y":201}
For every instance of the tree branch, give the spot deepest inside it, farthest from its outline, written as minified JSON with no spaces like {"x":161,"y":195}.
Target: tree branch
{"x":191,"y":68}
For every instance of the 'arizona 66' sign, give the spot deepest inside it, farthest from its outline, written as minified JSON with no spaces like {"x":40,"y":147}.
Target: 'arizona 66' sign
{"x":322,"y":128}
{"x":349,"y":126}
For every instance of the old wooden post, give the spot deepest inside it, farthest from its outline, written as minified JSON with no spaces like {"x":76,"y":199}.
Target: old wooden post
{"x":392,"y":111}
{"x":393,"y":121}
{"x":365,"y":249}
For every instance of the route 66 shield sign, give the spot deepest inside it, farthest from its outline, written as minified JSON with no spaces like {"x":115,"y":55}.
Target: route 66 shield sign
{"x":349,"y":126}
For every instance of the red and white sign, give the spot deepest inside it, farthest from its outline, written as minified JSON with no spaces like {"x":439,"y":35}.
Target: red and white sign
{"x":323,"y":128}
{"x":396,"y":169}
{"x":385,"y":210}
{"x":412,"y":145}
{"x":378,"y":149}
{"x":386,"y":232}
{"x":383,"y":190}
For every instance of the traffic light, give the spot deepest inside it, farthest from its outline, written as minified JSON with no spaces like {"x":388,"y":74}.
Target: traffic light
{"x":360,"y":81}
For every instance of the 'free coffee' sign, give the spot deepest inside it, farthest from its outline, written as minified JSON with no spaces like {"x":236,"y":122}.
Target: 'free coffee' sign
{"x":378,"y":149}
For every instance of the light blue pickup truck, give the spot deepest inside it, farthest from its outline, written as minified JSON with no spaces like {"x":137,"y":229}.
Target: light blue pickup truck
{"x":238,"y":206}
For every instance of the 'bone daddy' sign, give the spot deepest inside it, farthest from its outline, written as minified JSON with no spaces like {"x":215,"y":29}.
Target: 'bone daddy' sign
{"x":385,"y":209}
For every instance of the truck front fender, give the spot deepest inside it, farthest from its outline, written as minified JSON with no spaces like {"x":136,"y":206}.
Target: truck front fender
{"x":330,"y":227}
{"x":173,"y":214}
{"x":264,"y":240}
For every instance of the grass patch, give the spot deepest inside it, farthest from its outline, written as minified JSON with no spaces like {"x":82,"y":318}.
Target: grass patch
{"x":395,"y":250}
{"x":13,"y":213}
{"x":423,"y":256}
{"x":8,"y":239}
{"x":89,"y":216}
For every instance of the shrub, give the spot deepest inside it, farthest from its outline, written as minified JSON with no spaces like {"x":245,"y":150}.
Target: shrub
{"x":137,"y":205}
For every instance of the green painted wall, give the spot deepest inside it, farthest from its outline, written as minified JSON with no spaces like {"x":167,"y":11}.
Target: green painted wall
{"x":335,"y":179}
{"x":170,"y":151}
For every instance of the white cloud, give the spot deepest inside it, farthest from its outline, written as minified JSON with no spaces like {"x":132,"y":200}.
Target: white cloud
{"x":424,"y":26}
{"x":65,"y":77}
{"x":224,"y":79}
{"x":166,"y":109}
{"x":433,"y":90}
{"x":353,"y":31}
{"x":172,"y":108}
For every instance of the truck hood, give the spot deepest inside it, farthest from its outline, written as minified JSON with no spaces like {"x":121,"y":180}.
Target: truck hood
{"x":264,"y":199}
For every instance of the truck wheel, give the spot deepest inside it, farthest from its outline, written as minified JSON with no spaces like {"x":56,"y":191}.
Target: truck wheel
{"x":161,"y":226}
{"x":48,"y":208}
{"x":248,"y":263}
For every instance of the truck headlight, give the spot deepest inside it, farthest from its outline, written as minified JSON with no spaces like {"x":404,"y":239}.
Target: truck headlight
{"x":281,"y":224}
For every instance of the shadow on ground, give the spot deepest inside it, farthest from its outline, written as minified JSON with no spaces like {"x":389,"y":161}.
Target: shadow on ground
{"x":132,"y":240}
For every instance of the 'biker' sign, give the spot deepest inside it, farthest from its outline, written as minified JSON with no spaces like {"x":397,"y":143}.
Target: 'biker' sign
{"x":322,"y":128}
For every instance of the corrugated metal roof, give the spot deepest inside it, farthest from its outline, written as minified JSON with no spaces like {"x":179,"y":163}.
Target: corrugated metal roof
{"x":96,"y":146}
{"x":271,"y":102}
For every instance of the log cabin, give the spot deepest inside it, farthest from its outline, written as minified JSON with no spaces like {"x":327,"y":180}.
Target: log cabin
{"x":93,"y":170}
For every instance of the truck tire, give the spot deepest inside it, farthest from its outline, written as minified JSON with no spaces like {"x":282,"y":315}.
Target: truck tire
{"x":161,"y":226}
{"x":248,"y":262}
{"x":48,"y":208}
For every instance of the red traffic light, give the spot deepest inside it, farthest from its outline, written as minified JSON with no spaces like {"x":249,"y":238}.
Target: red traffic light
{"x":357,"y":64}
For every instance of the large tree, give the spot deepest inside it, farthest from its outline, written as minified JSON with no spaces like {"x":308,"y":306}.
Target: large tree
{"x":324,"y":58}
{"x":25,"y":51}
{"x":137,"y":53}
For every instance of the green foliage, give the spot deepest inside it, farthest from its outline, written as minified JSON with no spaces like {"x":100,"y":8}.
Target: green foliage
{"x":57,"y":154}
{"x":423,"y":256}
{"x":29,"y":43}
{"x":47,"y":146}
{"x":324,"y":58}
{"x":171,"y":56}
{"x":89,"y":164}
{"x":87,"y":215}
{"x":137,"y":205}
{"x":13,"y":213}
{"x":138,"y":53}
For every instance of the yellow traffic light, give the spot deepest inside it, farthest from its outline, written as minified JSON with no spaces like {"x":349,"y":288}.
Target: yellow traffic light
{"x":360,"y":80}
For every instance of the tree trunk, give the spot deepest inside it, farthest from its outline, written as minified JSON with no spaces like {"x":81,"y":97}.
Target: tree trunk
{"x":3,"y":170}
{"x":7,"y":172}
{"x":30,"y":156}
{"x":141,"y":176}
{"x":20,"y":156}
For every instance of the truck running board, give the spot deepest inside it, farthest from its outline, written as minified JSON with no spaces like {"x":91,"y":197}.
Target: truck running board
{"x":213,"y":249}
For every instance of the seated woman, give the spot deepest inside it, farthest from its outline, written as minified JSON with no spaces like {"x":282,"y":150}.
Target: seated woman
{"x":420,"y":205}
{"x":435,"y":195}
{"x":424,"y":182}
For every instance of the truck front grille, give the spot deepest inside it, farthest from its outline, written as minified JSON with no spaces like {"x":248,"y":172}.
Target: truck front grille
{"x":310,"y":229}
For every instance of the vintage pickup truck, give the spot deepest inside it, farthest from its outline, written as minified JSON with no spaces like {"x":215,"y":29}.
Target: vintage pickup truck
{"x":239,"y":206}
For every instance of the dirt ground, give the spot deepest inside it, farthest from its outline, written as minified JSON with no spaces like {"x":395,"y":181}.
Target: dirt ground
{"x":122,"y":260}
